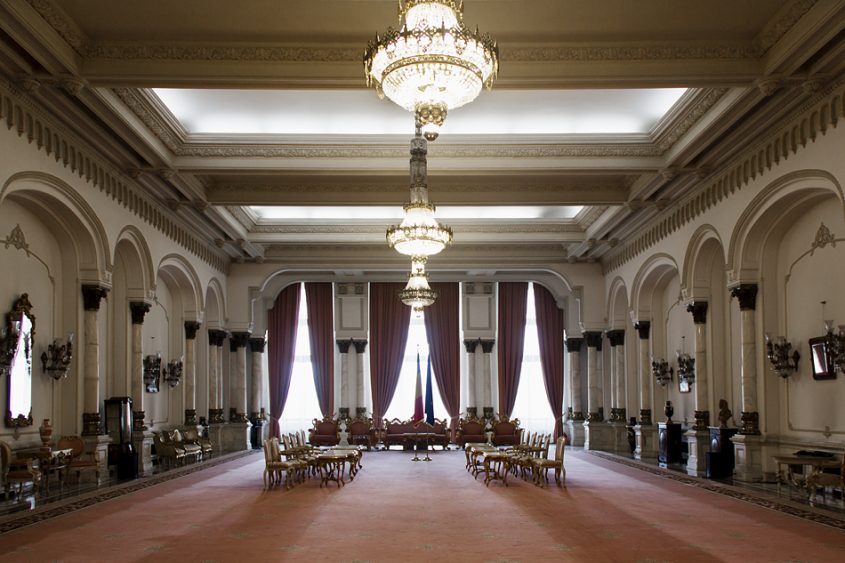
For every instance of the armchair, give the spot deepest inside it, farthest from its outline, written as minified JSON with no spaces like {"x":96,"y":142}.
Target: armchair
{"x":192,"y":449}
{"x":324,"y":432}
{"x":506,"y":432}
{"x":167,"y":449}
{"x":15,"y":471}
{"x":362,"y":432}
{"x":470,"y":431}
{"x":80,"y":459}
{"x":190,"y":435}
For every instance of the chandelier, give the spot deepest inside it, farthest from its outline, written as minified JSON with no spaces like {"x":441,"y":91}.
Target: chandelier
{"x":417,"y":293}
{"x":432,"y":63}
{"x":419,"y":234}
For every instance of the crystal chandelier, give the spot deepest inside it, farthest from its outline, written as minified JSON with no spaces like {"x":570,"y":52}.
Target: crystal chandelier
{"x":432,"y":63}
{"x":417,"y":293}
{"x":419,"y":234}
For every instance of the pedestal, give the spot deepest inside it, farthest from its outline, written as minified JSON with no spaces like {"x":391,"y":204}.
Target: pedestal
{"x":575,"y":429}
{"x":669,"y":439}
{"x":698,"y":442}
{"x":236,"y":436}
{"x":748,"y":457}
{"x":720,"y":458}
{"x":143,"y":442}
{"x":598,"y":436}
{"x":646,"y":436}
{"x":215,"y":434}
{"x":619,"y":438}
{"x":99,"y":444}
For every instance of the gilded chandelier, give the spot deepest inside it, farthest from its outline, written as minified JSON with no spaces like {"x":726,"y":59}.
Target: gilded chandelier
{"x":417,"y":293}
{"x":432,"y":63}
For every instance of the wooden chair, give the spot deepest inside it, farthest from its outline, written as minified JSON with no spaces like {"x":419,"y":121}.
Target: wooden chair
{"x":541,"y":465}
{"x":80,"y":459}
{"x":833,"y":480}
{"x":15,"y":471}
{"x":190,"y":435}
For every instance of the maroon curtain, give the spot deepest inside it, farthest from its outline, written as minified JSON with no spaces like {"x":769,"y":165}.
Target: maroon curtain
{"x":319,"y":299}
{"x":513,"y":299}
{"x":282,"y":322}
{"x":442,"y":330}
{"x":550,"y":335}
{"x":389,"y":320}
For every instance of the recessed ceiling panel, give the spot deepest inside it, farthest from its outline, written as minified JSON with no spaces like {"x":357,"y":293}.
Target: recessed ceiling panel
{"x":360,"y":112}
{"x":292,"y":214}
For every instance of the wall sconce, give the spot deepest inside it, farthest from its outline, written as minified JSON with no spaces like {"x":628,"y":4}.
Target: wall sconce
{"x":783,"y":359}
{"x":152,"y":372}
{"x":55,"y":361}
{"x":686,"y":364}
{"x":661,"y":371}
{"x":173,"y":372}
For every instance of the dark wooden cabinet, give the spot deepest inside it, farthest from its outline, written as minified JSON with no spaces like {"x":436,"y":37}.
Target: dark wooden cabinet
{"x":720,"y":458}
{"x":669,"y":443}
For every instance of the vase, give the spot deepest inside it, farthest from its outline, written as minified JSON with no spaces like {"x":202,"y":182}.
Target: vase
{"x":46,"y":432}
{"x":668,"y":410}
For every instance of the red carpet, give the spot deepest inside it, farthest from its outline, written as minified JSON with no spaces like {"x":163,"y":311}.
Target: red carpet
{"x":397,"y":510}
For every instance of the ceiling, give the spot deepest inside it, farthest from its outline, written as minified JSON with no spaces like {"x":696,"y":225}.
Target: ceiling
{"x":605,"y":114}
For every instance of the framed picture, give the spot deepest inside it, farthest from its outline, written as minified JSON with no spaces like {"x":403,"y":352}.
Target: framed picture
{"x":820,"y":361}
{"x":684,"y":385}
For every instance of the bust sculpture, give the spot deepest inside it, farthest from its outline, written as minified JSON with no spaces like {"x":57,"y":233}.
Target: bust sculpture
{"x":725,"y":413}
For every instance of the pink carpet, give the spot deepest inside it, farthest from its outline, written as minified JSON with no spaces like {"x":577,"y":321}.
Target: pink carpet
{"x":397,"y":510}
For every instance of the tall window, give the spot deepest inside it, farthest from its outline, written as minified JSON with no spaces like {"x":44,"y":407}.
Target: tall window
{"x":302,"y":406}
{"x":532,"y":405}
{"x":402,"y":405}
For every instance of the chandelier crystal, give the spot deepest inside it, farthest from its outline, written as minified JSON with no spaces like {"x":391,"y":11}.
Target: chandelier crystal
{"x":419,"y":234}
{"x":417,"y":293}
{"x":432,"y":63}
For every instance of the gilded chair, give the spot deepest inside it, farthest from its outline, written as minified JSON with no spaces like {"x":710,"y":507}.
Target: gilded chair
{"x":80,"y":459}
{"x":541,"y":465}
{"x":276,"y":468}
{"x":17,"y":471}
{"x":190,"y":435}
{"x":168,"y":450}
{"x":833,"y":480}
{"x":192,"y":449}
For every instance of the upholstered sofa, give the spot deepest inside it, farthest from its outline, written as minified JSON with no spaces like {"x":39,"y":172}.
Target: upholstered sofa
{"x":470,"y":430}
{"x":324,"y":432}
{"x":395,"y":429}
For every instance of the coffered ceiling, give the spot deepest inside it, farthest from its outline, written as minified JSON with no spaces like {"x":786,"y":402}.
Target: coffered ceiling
{"x":605,"y":113}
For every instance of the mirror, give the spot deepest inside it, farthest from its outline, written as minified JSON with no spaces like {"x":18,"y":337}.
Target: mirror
{"x":17,"y":360}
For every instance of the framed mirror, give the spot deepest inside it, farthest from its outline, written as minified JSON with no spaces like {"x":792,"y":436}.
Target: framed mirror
{"x":822,"y":363}
{"x":17,"y":357}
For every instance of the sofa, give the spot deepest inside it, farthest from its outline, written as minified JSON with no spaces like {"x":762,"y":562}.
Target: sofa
{"x":394,"y":431}
{"x":324,"y":432}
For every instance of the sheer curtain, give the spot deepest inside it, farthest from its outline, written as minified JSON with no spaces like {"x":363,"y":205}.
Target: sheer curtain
{"x":402,"y":405}
{"x":532,"y":404}
{"x":302,"y":405}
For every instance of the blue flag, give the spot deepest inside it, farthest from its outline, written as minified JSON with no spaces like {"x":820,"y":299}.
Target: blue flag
{"x":429,"y":399}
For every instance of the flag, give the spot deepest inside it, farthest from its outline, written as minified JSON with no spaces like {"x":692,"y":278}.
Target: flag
{"x":429,"y":399}
{"x":418,"y":399}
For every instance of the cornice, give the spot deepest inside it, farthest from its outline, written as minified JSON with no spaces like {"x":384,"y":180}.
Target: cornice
{"x":363,"y":188}
{"x":781,"y":23}
{"x":800,"y":129}
{"x":697,"y":107}
{"x":379,"y":229}
{"x":738,"y":51}
{"x":61,"y":24}
{"x":33,"y":124}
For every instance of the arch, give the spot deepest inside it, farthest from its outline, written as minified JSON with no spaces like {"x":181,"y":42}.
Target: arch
{"x":617,"y":304}
{"x":653,"y":275}
{"x":704,"y":251}
{"x":132,"y":246}
{"x":784,"y":198}
{"x":60,"y":205}
{"x":215,"y":306}
{"x":181,"y":276}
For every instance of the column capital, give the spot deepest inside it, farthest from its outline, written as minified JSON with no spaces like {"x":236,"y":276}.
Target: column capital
{"x":699,"y":312}
{"x":616,"y":337}
{"x":138,"y":309}
{"x":360,"y":345}
{"x":216,"y":337}
{"x":91,"y":296}
{"x":343,"y":345}
{"x":593,"y":338}
{"x":238,"y":340}
{"x":191,"y":328}
{"x":471,"y":344}
{"x":746,"y":294}
{"x":574,"y":344}
{"x":487,"y":345}
{"x":643,"y":328}
{"x":257,"y":344}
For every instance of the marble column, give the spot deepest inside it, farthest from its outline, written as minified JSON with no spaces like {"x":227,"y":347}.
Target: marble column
{"x":593,"y":339}
{"x":487,"y":376}
{"x":215,"y":343}
{"x":646,"y":432}
{"x":191,"y":328}
{"x":92,"y":431}
{"x":256,"y":348}
{"x":748,"y":443}
{"x":360,"y":350}
{"x":618,"y":416}
{"x":137,"y":311}
{"x":575,"y":419}
{"x":470,"y":345}
{"x":348,"y":392}
{"x":698,"y":437}
{"x":239,"y":342}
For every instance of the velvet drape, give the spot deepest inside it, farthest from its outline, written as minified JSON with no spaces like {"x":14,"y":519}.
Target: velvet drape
{"x":442,"y":328}
{"x":282,"y":321}
{"x":550,"y":336}
{"x":389,"y":320}
{"x":319,"y":300}
{"x":513,"y":300}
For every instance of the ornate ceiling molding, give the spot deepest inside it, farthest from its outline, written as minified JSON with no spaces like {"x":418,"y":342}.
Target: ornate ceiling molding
{"x":364,"y":188}
{"x":61,"y":24}
{"x":778,"y":26}
{"x":666,"y":52}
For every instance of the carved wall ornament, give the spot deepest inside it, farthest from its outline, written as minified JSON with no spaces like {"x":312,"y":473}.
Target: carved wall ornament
{"x":17,"y":239}
{"x":823,"y":238}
